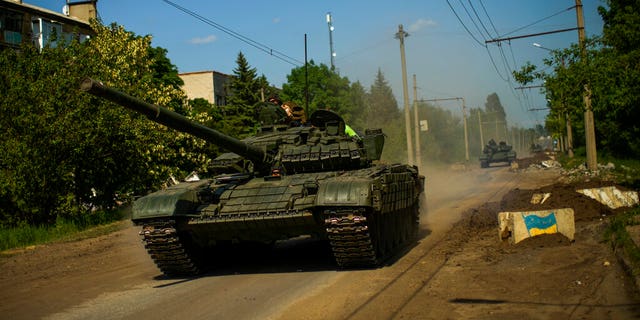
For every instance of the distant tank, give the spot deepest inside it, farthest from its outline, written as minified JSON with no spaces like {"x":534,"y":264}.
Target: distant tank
{"x":494,"y":153}
{"x":282,"y":183}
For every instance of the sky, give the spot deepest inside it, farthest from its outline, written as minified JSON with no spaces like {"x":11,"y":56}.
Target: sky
{"x":445,"y":48}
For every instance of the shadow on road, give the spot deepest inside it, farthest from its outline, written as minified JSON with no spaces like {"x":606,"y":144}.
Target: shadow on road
{"x":302,"y":254}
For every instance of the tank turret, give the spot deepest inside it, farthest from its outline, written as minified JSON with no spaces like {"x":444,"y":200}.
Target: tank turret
{"x":320,"y":145}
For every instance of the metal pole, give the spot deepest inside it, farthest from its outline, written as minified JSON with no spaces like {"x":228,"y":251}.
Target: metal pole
{"x":480,"y":126}
{"x":330,"y":24}
{"x":416,"y":120}
{"x":306,"y":78}
{"x":466,"y":134}
{"x":589,"y":123}
{"x":405,"y":92}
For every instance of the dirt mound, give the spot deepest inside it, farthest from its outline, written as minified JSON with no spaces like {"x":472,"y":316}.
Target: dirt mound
{"x":485,"y":218}
{"x":561,"y":196}
{"x":536,"y":158}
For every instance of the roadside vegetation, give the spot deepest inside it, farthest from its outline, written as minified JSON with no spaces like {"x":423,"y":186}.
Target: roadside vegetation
{"x":626,"y":173}
{"x":64,"y":229}
{"x":617,"y":234}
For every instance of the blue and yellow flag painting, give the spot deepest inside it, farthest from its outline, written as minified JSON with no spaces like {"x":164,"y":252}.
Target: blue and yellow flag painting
{"x":540,"y":225}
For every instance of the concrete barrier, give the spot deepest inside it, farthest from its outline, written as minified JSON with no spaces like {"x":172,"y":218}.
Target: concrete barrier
{"x":612,"y":196}
{"x":517,"y":226}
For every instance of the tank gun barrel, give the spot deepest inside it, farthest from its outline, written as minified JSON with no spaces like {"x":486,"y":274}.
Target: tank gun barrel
{"x":174,"y":120}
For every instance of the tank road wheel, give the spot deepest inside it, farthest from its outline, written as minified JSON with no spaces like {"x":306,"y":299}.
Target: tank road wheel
{"x":361,"y":239}
{"x":350,"y":238}
{"x":172,"y":253}
{"x":484,"y":164}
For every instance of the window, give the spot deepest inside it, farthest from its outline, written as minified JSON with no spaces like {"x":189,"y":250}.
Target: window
{"x":46,"y":33}
{"x":220,"y":100}
{"x":11,"y":26}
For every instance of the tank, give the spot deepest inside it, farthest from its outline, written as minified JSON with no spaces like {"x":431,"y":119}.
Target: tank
{"x":285,"y":182}
{"x":495,"y":153}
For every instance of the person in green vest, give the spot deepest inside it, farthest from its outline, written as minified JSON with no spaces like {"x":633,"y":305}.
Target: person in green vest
{"x":350,"y":132}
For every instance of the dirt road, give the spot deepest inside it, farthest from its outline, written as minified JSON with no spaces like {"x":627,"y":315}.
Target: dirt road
{"x":457,"y":270}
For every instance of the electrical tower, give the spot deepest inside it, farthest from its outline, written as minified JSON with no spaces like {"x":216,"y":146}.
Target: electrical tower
{"x":333,"y":54}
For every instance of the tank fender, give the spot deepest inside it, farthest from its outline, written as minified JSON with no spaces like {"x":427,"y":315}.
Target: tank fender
{"x":344,"y":192}
{"x":178,"y":200}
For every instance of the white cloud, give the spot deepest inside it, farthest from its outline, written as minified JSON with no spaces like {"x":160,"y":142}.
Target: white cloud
{"x":203,"y":40}
{"x":421,"y":24}
{"x":276,"y":20}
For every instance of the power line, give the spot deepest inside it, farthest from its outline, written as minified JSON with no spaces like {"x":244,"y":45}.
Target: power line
{"x":275,"y":53}
{"x":488,"y":17}
{"x":538,"y":21}
{"x":506,"y":66}
{"x":495,"y":66}
{"x":464,"y":26}
{"x":472,"y":20}
{"x":479,"y":20}
{"x":532,"y":35}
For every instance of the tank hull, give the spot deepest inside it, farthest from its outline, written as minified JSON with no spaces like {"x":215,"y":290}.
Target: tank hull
{"x":365,"y":215}
{"x":498,"y":157}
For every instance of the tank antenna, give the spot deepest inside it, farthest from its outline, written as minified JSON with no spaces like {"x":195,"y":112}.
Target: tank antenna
{"x":306,"y":78}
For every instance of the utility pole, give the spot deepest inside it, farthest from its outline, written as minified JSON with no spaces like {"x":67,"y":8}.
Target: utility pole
{"x":466,"y":133}
{"x":569,"y":135}
{"x":405,"y":92}
{"x":589,"y":123}
{"x":416,"y":120}
{"x":480,"y":126}
{"x":561,"y":141}
{"x":333,"y":54}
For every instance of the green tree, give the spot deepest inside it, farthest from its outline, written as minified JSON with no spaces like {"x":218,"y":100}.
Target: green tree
{"x":63,"y":151}
{"x":616,"y":91}
{"x":245,"y":94}
{"x":383,"y":113}
{"x":609,"y":66}
{"x":358,"y":102}
{"x":444,"y":141}
{"x":326,"y":89}
{"x":165,"y":73}
{"x":495,"y":114}
{"x":383,"y":106}
{"x":245,"y":85}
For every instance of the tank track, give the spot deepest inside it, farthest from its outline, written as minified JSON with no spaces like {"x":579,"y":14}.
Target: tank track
{"x":171,"y":254}
{"x":358,"y":241}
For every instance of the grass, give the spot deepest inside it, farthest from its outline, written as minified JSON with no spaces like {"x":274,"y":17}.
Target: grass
{"x":620,"y":239}
{"x":70,"y":229}
{"x":626,"y":172}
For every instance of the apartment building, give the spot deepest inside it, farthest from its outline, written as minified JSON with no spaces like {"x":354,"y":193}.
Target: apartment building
{"x":24,"y":23}
{"x":209,"y":85}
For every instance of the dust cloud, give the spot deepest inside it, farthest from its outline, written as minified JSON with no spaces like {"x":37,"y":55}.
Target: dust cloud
{"x":446,"y":189}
